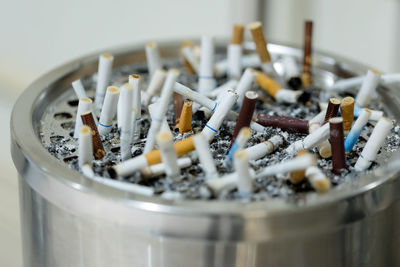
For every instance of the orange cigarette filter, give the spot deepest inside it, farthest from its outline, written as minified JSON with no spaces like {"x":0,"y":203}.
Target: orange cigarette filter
{"x":182,"y":147}
{"x":347,"y":111}
{"x":259,"y":40}
{"x":268,"y":84}
{"x":185,"y":120}
{"x":237,"y":36}
{"x":186,"y":63}
{"x":298,"y":176}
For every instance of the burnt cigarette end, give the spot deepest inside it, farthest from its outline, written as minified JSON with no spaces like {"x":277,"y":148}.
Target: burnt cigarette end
{"x":112,"y":172}
{"x":294,"y":83}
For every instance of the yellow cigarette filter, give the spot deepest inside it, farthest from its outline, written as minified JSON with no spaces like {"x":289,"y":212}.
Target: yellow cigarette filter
{"x":268,"y":84}
{"x":182,"y":147}
{"x":347,"y":111}
{"x":259,"y":40}
{"x":306,"y":79}
{"x":186,"y":63}
{"x":185,"y":120}
{"x":237,"y":36}
{"x":298,"y":176}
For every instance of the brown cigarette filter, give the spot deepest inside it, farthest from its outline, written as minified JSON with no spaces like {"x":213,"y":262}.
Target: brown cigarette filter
{"x":178,"y":104}
{"x":186,"y":63}
{"x":347,"y":111}
{"x":268,"y":84}
{"x":337,"y":144}
{"x":237,"y":36}
{"x":285,"y":123}
{"x":246,"y":113}
{"x":98,"y":150}
{"x":297,"y":176}
{"x":260,"y":42}
{"x":332,"y":110}
{"x":306,"y":76}
{"x":185,"y":121}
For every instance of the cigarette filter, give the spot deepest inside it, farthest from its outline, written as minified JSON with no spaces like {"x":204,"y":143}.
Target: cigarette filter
{"x":298,"y":176}
{"x":134,"y":80}
{"x":240,"y":142}
{"x":98,"y":150}
{"x":158,"y":169}
{"x":347,"y":112}
{"x":368,"y":87}
{"x":185,"y":121}
{"x":125,"y":102}
{"x":265,"y":148}
{"x":245,"y":83}
{"x":128,"y":167}
{"x":318,"y":179}
{"x":178,"y":105}
{"x":356,"y":130}
{"x":285,"y":123}
{"x":205,"y":156}
{"x":325,"y":149}
{"x":237,"y":35}
{"x":311,"y":140}
{"x":163,"y":103}
{"x":85,"y":105}
{"x":153,"y":58}
{"x":260,"y":42}
{"x":85,"y":155}
{"x":156,"y":82}
{"x":168,"y":155}
{"x":337,"y":144}
{"x":332,"y":110}
{"x":241,"y":164}
{"x":206,"y":72}
{"x":374,"y":143}
{"x":298,"y":163}
{"x":306,"y":76}
{"x":212,"y":126}
{"x":103,"y":78}
{"x":109,"y":110}
{"x":79,"y":89}
{"x":246,"y":113}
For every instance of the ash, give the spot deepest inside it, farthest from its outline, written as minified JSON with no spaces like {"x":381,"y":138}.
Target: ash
{"x":58,"y":126}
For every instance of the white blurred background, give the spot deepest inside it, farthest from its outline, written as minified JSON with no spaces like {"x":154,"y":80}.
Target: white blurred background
{"x":37,"y":36}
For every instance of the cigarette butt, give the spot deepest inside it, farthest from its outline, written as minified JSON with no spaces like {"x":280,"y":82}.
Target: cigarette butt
{"x":322,"y":186}
{"x":237,"y":36}
{"x":325,"y":149}
{"x":332,"y":110}
{"x":153,"y":157}
{"x":337,"y":144}
{"x":268,"y":84}
{"x":259,"y":40}
{"x":298,"y":176}
{"x":347,"y":111}
{"x":185,"y":121}
{"x":98,"y":150}
{"x":306,"y":76}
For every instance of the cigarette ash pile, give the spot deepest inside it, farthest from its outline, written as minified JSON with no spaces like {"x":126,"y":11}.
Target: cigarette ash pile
{"x":244,"y":169}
